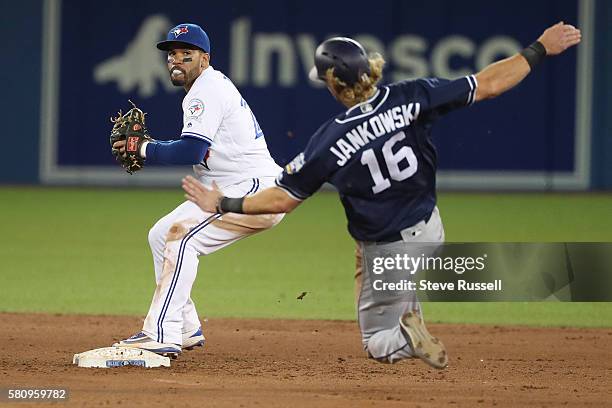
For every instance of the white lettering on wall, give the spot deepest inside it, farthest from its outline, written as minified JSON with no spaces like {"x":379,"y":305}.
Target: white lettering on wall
{"x":265,"y":59}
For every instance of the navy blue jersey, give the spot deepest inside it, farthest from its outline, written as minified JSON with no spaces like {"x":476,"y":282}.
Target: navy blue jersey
{"x":379,"y":156}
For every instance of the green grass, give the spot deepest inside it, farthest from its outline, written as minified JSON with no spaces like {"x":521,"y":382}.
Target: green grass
{"x":470,"y":217}
{"x":86,"y":251}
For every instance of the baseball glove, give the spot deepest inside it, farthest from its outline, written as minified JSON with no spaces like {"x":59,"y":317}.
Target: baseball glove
{"x":131,"y":128}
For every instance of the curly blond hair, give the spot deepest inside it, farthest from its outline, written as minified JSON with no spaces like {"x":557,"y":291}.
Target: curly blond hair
{"x":363,"y":88}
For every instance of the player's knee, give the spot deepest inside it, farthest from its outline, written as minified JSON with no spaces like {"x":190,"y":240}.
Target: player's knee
{"x":383,"y":360}
{"x":176,"y":232}
{"x":157,"y":235}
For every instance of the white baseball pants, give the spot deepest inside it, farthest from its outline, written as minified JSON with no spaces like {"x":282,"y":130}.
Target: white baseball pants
{"x":177,"y":240}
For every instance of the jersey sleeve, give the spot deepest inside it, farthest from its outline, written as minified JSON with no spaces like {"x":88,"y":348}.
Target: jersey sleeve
{"x":440,"y":96}
{"x":201,"y":118}
{"x":307,"y":172}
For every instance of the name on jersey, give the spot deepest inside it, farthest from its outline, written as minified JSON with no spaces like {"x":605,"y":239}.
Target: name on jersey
{"x":376,"y":126}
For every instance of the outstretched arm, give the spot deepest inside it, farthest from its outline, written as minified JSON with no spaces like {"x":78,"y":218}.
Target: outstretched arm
{"x":503,"y":75}
{"x":186,"y":150}
{"x":272,"y":200}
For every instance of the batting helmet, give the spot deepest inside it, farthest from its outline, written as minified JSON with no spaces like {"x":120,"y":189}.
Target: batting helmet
{"x":345,"y":55}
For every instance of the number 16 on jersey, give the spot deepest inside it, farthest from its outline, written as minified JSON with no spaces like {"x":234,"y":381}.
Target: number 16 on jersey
{"x":392,"y":161}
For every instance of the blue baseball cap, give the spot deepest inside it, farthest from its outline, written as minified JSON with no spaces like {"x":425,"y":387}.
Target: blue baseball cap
{"x":182,"y":34}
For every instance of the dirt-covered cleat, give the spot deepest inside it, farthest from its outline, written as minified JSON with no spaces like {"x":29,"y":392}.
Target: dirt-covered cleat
{"x":144,"y":342}
{"x":424,"y":346}
{"x":193,"y":339}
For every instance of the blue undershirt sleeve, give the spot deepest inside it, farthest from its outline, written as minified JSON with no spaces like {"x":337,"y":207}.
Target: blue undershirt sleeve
{"x":183,"y":151}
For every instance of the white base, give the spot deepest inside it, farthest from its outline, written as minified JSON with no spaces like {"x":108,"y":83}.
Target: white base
{"x":111,"y":357}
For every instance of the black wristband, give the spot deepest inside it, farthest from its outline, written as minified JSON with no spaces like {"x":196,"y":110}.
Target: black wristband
{"x":534,"y":54}
{"x":227,"y":204}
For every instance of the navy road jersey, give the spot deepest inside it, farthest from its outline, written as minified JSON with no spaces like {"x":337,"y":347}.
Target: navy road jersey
{"x":379,"y":156}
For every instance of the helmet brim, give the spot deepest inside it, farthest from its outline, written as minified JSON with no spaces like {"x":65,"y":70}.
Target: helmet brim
{"x":313,"y":75}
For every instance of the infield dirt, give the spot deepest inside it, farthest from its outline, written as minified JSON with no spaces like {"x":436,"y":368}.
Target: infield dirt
{"x":295,"y":363}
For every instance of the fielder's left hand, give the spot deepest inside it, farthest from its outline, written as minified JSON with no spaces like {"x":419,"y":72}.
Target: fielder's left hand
{"x":120,"y":145}
{"x":206,"y":198}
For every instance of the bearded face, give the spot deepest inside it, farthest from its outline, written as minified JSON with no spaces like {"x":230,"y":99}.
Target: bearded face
{"x":185,"y":65}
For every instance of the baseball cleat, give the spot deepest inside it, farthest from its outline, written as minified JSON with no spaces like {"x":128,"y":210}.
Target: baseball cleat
{"x":424,"y":346}
{"x":193,"y":339}
{"x":142,"y":341}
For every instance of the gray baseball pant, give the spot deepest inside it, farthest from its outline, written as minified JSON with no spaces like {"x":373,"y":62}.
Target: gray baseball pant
{"x":378,"y":312}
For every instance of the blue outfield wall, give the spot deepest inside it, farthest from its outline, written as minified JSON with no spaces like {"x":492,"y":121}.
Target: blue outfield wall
{"x":539,"y":136}
{"x":20,"y":103}
{"x":602,"y":97}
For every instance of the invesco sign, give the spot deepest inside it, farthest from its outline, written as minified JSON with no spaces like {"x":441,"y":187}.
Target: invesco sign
{"x":264,"y":59}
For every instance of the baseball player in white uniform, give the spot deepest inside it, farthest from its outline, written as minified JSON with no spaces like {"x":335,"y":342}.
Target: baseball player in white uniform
{"x":222,"y":139}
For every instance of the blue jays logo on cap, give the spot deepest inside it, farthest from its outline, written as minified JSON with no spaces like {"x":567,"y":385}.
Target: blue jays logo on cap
{"x":180,"y":30}
{"x":185,"y":34}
